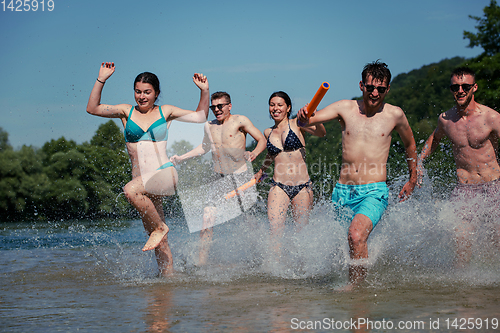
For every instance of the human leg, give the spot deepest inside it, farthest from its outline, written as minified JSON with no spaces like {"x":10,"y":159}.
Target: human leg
{"x":359,"y":230}
{"x":463,"y":244}
{"x":368,"y":203}
{"x":301,"y":207}
{"x":220,"y":184}
{"x":150,"y":213}
{"x":206,"y":234}
{"x":465,"y":197}
{"x":162,"y":251}
{"x":162,"y":182}
{"x":277,"y":206}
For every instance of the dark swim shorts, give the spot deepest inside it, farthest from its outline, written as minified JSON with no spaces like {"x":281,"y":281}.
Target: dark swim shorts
{"x":222,"y":184}
{"x":477,"y":199}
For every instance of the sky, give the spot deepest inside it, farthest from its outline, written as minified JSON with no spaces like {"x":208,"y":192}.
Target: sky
{"x":49,"y":60}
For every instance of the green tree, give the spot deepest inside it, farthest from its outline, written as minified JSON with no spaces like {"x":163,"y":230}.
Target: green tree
{"x":488,"y":35}
{"x":424,"y":93}
{"x":23,"y":184}
{"x":109,"y":170}
{"x":4,"y":141}
{"x":107,"y":156}
{"x":109,"y":135}
{"x":487,"y":70}
{"x":180,"y":147}
{"x":52,"y":147}
{"x":10,"y":177}
{"x":66,"y":194}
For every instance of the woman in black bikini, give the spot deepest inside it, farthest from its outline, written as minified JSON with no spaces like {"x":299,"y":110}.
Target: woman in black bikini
{"x":291,"y":182}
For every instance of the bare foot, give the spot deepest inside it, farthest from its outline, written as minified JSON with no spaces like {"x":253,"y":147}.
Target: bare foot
{"x":167,"y":271}
{"x":357,"y":274}
{"x":164,"y":258}
{"x":203,"y":257}
{"x":205,"y":242}
{"x":344,"y":289}
{"x":155,"y":238}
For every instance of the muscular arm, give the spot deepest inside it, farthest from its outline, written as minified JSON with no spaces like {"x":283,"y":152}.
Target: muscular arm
{"x":249,"y":128}
{"x":494,"y":121}
{"x":328,"y":113}
{"x":406,"y":134}
{"x":316,"y":130}
{"x":431,"y":143}
{"x":429,"y":147}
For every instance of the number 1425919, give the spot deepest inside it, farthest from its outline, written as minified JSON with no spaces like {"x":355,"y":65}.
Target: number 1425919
{"x":27,"y":5}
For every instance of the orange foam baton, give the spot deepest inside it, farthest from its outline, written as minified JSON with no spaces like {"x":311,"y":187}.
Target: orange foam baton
{"x":316,"y":99}
{"x":244,"y":187}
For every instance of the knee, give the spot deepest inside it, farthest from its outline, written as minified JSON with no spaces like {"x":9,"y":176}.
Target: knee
{"x":209,"y":213}
{"x":356,"y":237}
{"x":129,"y":191}
{"x":276,"y":225}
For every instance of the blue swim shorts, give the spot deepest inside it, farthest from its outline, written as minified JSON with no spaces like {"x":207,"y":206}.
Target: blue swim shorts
{"x":370,"y":200}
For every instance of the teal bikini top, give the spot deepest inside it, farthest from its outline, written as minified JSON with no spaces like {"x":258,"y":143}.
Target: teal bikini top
{"x":158,"y":131}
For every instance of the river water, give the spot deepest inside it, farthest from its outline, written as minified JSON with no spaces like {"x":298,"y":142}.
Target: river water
{"x":91,"y":276}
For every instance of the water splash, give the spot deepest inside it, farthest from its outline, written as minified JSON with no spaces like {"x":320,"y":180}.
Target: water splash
{"x":415,"y":242}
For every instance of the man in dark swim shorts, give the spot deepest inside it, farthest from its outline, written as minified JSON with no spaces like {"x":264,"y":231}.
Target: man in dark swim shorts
{"x":225,"y":137}
{"x":473,"y":130}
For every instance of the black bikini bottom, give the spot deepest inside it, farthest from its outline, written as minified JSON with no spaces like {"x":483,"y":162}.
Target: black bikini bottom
{"x":292,"y":190}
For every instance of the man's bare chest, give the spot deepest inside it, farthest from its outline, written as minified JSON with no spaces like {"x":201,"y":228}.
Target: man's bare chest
{"x":368,"y":129}
{"x":226,"y":136}
{"x":468,"y":133}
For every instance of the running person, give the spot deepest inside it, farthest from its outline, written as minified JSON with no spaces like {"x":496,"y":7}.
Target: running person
{"x":146,"y":132}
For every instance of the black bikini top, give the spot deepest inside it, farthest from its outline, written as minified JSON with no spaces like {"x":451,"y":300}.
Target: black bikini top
{"x":292,"y":143}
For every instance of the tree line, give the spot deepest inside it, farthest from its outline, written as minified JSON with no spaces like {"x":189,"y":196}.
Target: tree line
{"x":66,"y":180}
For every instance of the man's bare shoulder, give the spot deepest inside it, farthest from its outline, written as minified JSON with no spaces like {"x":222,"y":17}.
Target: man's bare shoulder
{"x":241,"y":121}
{"x":448,"y":115}
{"x":393,"y":110}
{"x":487,"y":111}
{"x":489,"y":116}
{"x":239,"y":118}
{"x":341,"y":108}
{"x":344,"y":104}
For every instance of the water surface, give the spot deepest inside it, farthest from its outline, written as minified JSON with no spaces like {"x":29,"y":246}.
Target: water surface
{"x":91,"y":276}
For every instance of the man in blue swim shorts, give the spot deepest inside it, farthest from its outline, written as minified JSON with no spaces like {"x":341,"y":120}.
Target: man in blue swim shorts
{"x":369,"y":199}
{"x":367,"y":126}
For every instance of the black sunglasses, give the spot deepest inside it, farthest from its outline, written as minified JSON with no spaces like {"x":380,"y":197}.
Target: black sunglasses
{"x":370,"y":88}
{"x":218,"y":106}
{"x":465,"y":87}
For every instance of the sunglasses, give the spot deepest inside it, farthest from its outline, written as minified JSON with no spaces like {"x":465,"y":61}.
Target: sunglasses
{"x":370,"y":88}
{"x":465,"y":87}
{"x":218,"y":106}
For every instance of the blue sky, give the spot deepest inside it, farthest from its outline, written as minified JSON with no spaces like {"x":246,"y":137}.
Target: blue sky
{"x":250,"y":49}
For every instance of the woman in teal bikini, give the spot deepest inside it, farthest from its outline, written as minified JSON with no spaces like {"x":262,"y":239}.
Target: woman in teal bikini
{"x":290,"y":183}
{"x":153,"y":176}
